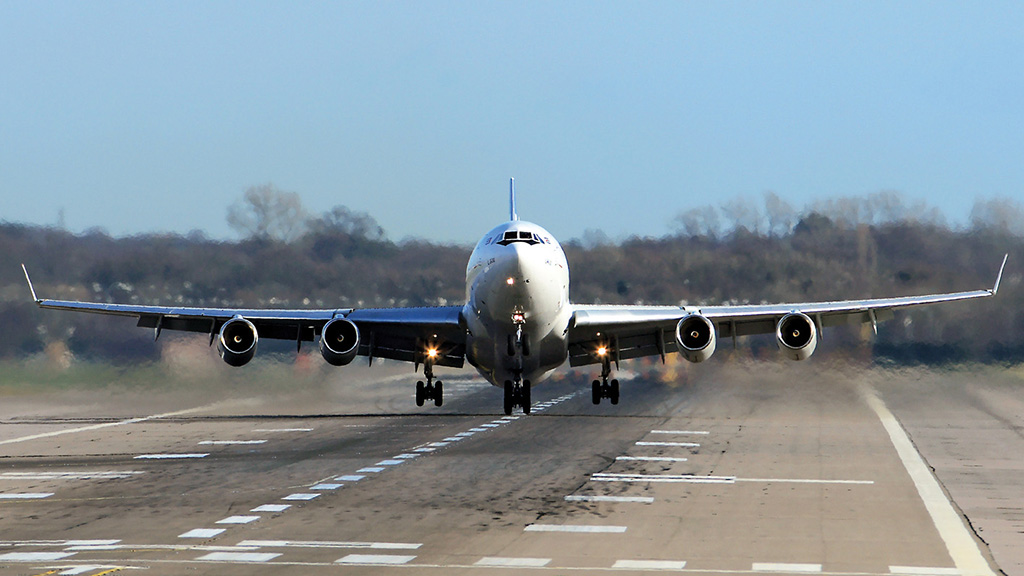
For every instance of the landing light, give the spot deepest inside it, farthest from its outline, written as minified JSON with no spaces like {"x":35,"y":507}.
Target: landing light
{"x":432,"y":352}
{"x":510,"y":281}
{"x":602,"y":351}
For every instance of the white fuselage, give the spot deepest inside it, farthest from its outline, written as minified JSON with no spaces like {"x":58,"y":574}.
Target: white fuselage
{"x":517,"y":304}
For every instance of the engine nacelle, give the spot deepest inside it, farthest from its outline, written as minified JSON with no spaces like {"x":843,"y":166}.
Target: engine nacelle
{"x":237,"y":341}
{"x":797,"y":336}
{"x":695,"y":336}
{"x":339,"y":341}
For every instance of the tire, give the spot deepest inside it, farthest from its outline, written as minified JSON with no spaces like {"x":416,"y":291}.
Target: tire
{"x":420,"y":393}
{"x":597,"y":392}
{"x":509,"y":400}
{"x":614,"y":392}
{"x":438,"y":394}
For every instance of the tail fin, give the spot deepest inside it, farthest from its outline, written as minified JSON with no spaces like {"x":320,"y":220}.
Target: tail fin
{"x":512,"y":200}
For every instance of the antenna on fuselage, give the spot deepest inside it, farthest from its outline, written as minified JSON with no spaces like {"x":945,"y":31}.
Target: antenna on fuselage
{"x":512,"y":200}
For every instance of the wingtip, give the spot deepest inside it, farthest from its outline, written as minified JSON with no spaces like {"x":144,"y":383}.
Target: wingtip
{"x":999,"y":277}
{"x":29,"y":280}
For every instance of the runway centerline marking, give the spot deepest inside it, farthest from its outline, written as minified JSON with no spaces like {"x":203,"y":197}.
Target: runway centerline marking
{"x":283,"y":430}
{"x":650,"y":564}
{"x":628,"y":477}
{"x":375,"y":559}
{"x":651,"y":458}
{"x":923,"y":571}
{"x":628,"y":499}
{"x":106,"y":425}
{"x":105,"y":475}
{"x":959,"y":542}
{"x":671,"y":444}
{"x":171,"y":456}
{"x":26,"y":496}
{"x":230,"y":442}
{"x":783,"y":567}
{"x":513,"y":562}
{"x":681,"y":432}
{"x":575,"y":528}
{"x":329,"y":544}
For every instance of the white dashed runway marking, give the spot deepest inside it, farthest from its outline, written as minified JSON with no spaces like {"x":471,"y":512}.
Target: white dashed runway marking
{"x":513,"y":562}
{"x":375,"y":559}
{"x":650,"y":564}
{"x":239,"y":556}
{"x":350,"y":478}
{"x":326,"y":486}
{"x":923,"y":571}
{"x":26,"y":496}
{"x":577,"y":528}
{"x":300,"y":496}
{"x":390,"y":462}
{"x":169,"y":456}
{"x":230,"y":442}
{"x":329,"y":544}
{"x":370,"y":470}
{"x":783,"y":567}
{"x":283,"y":430}
{"x":624,"y":499}
{"x":650,"y":458}
{"x":670,"y":444}
{"x":680,"y":432}
{"x":105,"y":475}
{"x":34,"y":556}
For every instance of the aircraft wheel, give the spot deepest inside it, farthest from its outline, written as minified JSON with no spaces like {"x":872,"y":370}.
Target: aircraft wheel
{"x":614,"y":395}
{"x":509,"y":398}
{"x":420,"y":393}
{"x":526,"y":397}
{"x":438,"y":394}
{"x":597,"y":392}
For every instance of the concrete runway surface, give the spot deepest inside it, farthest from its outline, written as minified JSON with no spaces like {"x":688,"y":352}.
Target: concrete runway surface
{"x":735,"y":468}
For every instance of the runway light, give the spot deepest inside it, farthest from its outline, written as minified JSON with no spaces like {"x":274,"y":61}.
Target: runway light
{"x":510,"y":281}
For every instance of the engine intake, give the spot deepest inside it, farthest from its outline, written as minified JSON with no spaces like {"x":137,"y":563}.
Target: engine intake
{"x":797,"y":336}
{"x":695,"y":336}
{"x":237,"y":341}
{"x":339,"y":341}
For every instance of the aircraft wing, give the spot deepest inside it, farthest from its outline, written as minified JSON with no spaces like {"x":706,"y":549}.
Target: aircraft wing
{"x":635,"y":331}
{"x":395,"y":333}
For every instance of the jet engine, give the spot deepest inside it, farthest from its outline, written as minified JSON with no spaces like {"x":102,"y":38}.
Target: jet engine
{"x":237,"y":341}
{"x":339,"y":341}
{"x":797,"y":336}
{"x":695,"y":335}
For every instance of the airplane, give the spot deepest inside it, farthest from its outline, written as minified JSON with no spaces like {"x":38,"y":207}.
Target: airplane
{"x":517,"y":325}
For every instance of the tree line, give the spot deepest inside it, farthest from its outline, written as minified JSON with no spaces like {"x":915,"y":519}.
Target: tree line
{"x":739,"y":252}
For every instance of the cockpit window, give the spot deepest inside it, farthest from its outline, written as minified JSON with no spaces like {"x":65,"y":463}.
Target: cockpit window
{"x":524,"y":236}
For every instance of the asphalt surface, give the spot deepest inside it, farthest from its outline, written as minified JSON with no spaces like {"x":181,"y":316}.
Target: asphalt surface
{"x":745,"y":468}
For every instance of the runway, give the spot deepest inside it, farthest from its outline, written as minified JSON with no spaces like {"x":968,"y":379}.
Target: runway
{"x":745,"y":468}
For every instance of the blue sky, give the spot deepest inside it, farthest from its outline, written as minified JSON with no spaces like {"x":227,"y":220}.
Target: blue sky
{"x":156,"y":116}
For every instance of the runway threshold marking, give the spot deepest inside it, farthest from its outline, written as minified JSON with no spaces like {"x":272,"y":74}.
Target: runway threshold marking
{"x":271,"y":508}
{"x":105,"y":425}
{"x":34,"y":556}
{"x":26,"y":496}
{"x":182,"y":456}
{"x":691,"y":478}
{"x":238,"y":520}
{"x":923,"y":571}
{"x":958,"y":539}
{"x":239,"y":556}
{"x":202,"y":533}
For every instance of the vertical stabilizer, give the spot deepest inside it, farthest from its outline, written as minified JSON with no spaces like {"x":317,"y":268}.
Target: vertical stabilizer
{"x":512,"y":200}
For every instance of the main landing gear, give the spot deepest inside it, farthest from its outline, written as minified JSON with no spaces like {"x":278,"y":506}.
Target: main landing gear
{"x":517,"y":394}
{"x":603,"y":388}
{"x":431,"y":390}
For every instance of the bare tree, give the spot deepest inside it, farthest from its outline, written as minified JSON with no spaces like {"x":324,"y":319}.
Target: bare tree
{"x":703,"y":221}
{"x":268,"y":213}
{"x":780,"y":214}
{"x":1000,"y":214}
